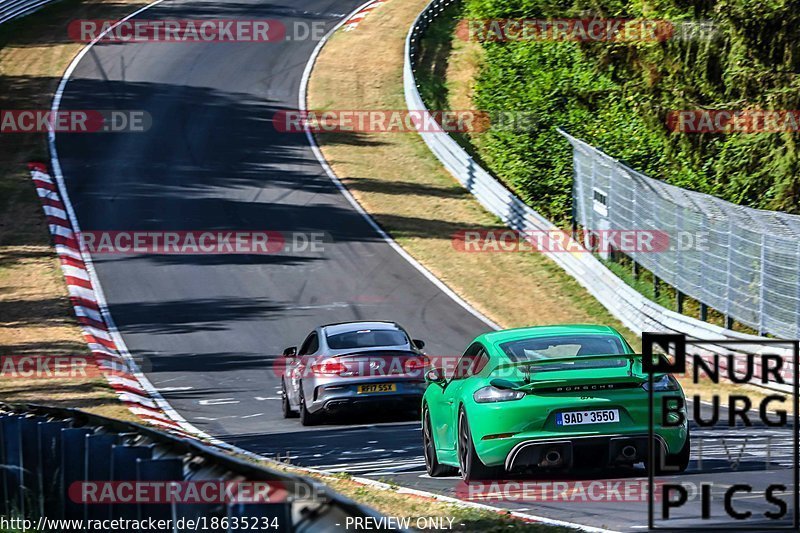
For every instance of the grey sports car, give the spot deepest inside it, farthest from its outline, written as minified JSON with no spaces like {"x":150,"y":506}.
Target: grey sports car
{"x":352,"y":364}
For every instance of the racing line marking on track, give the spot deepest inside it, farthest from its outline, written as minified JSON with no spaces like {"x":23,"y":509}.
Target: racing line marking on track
{"x":218,"y":401}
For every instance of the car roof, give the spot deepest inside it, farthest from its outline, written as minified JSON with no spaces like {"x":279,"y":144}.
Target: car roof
{"x":346,"y":327}
{"x":497,"y":337}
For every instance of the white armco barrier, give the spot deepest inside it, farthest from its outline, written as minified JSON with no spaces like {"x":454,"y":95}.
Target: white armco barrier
{"x":636,"y":312}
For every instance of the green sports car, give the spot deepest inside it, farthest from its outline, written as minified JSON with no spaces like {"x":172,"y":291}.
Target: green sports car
{"x":549,"y":397}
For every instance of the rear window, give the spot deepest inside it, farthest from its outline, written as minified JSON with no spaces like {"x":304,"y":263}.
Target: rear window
{"x":366,"y":338}
{"x":538,"y":348}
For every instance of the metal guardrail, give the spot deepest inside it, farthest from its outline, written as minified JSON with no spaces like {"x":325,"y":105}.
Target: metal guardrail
{"x":748,"y":266}
{"x":11,"y":9}
{"x":636,"y":312}
{"x":45,"y":450}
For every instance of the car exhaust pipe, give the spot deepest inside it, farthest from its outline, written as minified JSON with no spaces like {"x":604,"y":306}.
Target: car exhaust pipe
{"x":629,"y":452}
{"x":551,"y":458}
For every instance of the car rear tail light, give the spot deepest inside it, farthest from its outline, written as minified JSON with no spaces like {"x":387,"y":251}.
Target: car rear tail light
{"x":414,"y":364}
{"x":493,"y":395}
{"x":664,"y":383}
{"x":328,"y":368}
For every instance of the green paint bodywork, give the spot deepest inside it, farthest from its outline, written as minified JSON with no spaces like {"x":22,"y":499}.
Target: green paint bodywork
{"x":533,"y":416}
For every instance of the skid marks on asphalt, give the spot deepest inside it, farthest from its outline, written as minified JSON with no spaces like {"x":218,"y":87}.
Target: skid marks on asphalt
{"x":379,"y":467}
{"x":378,"y":448}
{"x":382,"y":455}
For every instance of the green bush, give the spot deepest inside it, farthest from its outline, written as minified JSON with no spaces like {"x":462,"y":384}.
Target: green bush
{"x":617,"y":96}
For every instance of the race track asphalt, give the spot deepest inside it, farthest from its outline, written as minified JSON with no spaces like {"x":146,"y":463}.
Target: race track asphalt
{"x":207,"y":329}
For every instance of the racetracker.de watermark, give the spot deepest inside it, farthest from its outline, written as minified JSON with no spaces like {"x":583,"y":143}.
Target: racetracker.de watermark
{"x":377,"y":364}
{"x":180,"y":492}
{"x":74,"y":121}
{"x":595,"y":491}
{"x":49,"y":367}
{"x":195,"y":31}
{"x":733,"y":121}
{"x":201,"y":242}
{"x":583,"y":241}
{"x":565,"y":29}
{"x":403,"y":121}
{"x":380,"y":121}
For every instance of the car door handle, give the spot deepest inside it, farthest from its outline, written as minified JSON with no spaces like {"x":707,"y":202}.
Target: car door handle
{"x":449,"y":402}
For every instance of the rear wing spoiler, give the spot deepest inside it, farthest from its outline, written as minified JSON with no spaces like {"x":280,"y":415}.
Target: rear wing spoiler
{"x":377,"y":352}
{"x":631,"y":357}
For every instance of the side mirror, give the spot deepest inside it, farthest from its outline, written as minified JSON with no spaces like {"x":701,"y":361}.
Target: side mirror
{"x":291,"y":351}
{"x":434,"y":375}
{"x":418,"y":344}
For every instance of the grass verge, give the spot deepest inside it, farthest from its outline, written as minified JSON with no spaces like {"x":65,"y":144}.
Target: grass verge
{"x":35,"y":314}
{"x":391,"y":500}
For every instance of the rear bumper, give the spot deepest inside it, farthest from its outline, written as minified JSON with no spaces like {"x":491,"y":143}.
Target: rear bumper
{"x":395,"y":401}
{"x":605,"y":450}
{"x":498,"y":428}
{"x":337,"y":396}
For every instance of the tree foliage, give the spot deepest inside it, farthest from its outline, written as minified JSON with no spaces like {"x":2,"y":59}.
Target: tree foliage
{"x":724,"y":55}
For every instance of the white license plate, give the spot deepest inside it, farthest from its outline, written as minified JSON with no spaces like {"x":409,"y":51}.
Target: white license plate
{"x":577,"y":418}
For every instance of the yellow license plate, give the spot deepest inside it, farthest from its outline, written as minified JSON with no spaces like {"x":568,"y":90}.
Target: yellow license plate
{"x":377,"y":387}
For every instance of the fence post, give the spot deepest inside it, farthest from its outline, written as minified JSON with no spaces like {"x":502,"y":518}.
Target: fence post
{"x":12,"y":465}
{"x":728,"y":319}
{"x":123,"y":468}
{"x":98,"y":448}
{"x":761,"y":285}
{"x":158,"y":470}
{"x":31,"y":467}
{"x":797,"y":311}
{"x":271,"y":513}
{"x":73,"y":467}
{"x":50,"y":459}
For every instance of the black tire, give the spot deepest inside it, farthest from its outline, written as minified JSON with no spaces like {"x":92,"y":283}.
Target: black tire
{"x":681,"y":459}
{"x":675,"y":463}
{"x":307,"y":418}
{"x":432,"y":465}
{"x":288,"y":412}
{"x":471,"y":466}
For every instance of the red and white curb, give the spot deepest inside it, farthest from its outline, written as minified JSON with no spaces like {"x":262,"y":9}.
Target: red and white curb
{"x":353,"y":22}
{"x":87,"y":308}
